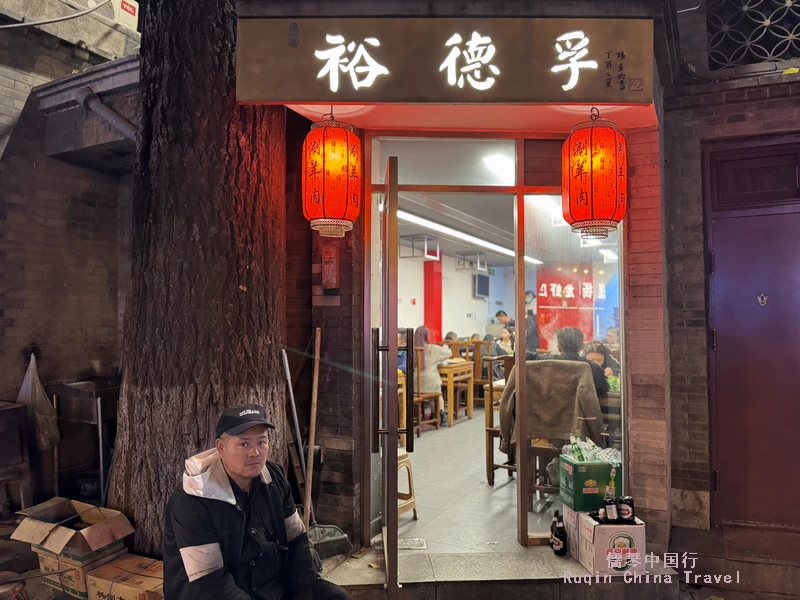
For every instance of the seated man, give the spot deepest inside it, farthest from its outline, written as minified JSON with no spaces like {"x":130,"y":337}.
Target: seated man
{"x":232,"y":531}
{"x":570,"y":343}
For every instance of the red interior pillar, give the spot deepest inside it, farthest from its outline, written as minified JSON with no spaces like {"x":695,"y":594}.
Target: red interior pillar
{"x":433,"y":298}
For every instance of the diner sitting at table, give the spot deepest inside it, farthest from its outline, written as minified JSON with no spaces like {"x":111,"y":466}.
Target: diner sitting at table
{"x":494,"y":350}
{"x":570,"y":344}
{"x":451,"y":336}
{"x":506,"y":341}
{"x":430,"y":357}
{"x":598,"y":353}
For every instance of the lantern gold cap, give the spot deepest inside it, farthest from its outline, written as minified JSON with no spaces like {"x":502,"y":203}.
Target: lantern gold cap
{"x":335,"y":228}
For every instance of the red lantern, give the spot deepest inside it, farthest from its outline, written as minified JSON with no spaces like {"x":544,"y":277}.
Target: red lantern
{"x":594,"y":173}
{"x":331,"y":177}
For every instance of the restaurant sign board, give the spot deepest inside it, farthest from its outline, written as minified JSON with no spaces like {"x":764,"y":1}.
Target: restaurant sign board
{"x":445,"y":61}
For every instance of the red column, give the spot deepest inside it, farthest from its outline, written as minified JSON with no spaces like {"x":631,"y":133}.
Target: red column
{"x":433,"y":298}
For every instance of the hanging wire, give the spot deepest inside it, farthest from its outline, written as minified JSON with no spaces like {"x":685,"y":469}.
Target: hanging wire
{"x":57,"y":19}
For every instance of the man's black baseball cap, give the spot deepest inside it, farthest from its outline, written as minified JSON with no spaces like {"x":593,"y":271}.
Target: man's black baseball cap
{"x":237,"y":419}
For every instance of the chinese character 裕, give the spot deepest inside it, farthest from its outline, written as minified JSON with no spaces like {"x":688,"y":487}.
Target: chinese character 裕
{"x":671,"y":560}
{"x":587,"y":290}
{"x":574,"y":48}
{"x":689,"y":560}
{"x":569,"y":291}
{"x":479,"y":52}
{"x":651,"y":560}
{"x":555,"y":290}
{"x":543,"y":290}
{"x":361,"y":63}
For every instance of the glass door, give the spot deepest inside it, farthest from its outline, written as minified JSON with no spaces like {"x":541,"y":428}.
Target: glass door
{"x":385,"y":380}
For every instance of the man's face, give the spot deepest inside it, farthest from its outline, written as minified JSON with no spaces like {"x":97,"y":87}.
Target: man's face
{"x":245,"y":454}
{"x":503,"y":319}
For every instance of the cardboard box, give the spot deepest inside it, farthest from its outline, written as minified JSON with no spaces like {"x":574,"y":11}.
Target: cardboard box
{"x":66,"y":533}
{"x":571,"y":524}
{"x":583,"y":483}
{"x":73,"y":582}
{"x":625,"y":543}
{"x":129,"y":577}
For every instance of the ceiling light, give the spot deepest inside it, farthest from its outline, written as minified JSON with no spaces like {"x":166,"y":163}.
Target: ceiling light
{"x":503,"y":168}
{"x":585,"y":271}
{"x":574,"y":270}
{"x":460,"y":235}
{"x":601,"y":272}
{"x":608,"y":255}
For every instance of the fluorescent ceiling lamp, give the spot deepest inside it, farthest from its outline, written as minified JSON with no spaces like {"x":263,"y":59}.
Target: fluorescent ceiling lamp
{"x":608,"y":255}
{"x":550,"y":205}
{"x":460,"y":235}
{"x":503,"y":167}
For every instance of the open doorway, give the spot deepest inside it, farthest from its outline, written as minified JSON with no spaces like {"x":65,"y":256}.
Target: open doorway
{"x":460,"y":204}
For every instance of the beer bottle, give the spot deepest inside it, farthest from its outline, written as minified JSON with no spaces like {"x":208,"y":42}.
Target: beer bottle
{"x":627,"y":512}
{"x":560,"y":538}
{"x":553,"y":527}
{"x":611,"y":488}
{"x":612,"y":514}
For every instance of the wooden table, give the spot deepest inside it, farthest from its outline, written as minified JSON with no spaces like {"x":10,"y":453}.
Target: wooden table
{"x":455,"y":373}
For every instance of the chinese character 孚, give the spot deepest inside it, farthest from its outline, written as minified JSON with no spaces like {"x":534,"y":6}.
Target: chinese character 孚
{"x":479,"y":52}
{"x":573,"y":47}
{"x":360,"y":64}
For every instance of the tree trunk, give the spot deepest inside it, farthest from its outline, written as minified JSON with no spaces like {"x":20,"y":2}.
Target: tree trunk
{"x":205,"y":316}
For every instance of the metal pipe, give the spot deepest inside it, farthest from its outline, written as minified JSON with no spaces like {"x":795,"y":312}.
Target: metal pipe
{"x":91,"y":101}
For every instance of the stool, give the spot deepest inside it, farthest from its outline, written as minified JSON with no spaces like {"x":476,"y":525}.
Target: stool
{"x":408,"y":500}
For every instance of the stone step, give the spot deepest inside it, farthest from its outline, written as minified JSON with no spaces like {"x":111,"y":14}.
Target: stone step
{"x":757,"y":561}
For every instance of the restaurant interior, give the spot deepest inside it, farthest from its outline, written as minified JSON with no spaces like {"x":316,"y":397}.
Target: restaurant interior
{"x":457,"y":217}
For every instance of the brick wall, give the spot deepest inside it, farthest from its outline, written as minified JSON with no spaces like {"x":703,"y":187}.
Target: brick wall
{"x":28,"y":59}
{"x":695,"y":115}
{"x":340,"y":315}
{"x":298,"y":264}
{"x":647,"y":402}
{"x":58,"y":223}
{"x":693,"y":32}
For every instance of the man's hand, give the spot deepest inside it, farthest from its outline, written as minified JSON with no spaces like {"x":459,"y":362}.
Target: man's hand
{"x":608,"y":372}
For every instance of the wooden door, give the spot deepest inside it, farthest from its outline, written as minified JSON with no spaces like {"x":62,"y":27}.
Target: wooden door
{"x":753,"y":234}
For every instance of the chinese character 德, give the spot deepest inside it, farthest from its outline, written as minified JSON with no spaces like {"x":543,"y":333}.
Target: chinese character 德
{"x":361,"y":63}
{"x":479,"y":52}
{"x":574,"y":49}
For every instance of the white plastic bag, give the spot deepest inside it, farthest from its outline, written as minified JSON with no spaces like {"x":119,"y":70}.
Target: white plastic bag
{"x":42,"y":418}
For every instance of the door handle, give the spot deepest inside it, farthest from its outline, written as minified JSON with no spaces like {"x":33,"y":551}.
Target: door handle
{"x":410,"y":378}
{"x":376,"y":389}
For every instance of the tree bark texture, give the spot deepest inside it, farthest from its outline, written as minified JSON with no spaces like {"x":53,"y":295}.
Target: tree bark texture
{"x":204,"y":321}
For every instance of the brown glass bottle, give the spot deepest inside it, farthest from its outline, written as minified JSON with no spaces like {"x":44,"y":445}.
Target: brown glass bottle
{"x":560,"y":538}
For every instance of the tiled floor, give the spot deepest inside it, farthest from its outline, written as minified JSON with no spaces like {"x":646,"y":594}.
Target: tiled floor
{"x":469,"y":527}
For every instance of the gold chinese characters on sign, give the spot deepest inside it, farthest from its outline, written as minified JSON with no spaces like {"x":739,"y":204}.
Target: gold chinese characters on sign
{"x":445,"y":60}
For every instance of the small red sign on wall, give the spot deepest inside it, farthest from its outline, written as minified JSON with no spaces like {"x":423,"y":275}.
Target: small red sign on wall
{"x":330,"y":268}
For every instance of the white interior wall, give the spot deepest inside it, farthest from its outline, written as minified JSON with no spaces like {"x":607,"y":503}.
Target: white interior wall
{"x":461,"y":311}
{"x":410,"y":293}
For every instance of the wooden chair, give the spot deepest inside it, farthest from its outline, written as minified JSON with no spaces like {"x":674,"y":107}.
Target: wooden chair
{"x":493,"y":432}
{"x":420,"y":399}
{"x":480,"y":355}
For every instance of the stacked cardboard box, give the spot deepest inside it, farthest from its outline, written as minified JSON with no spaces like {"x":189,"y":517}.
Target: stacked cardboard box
{"x":582,"y":484}
{"x":127,"y":578}
{"x":73,"y":537}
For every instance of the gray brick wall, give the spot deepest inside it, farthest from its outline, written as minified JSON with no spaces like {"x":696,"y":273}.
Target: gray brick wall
{"x":28,"y":59}
{"x":58,"y":246}
{"x":341,"y":317}
{"x":695,"y":115}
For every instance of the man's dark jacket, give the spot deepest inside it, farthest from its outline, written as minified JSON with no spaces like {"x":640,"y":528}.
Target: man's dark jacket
{"x":204,"y":534}
{"x":598,"y":374}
